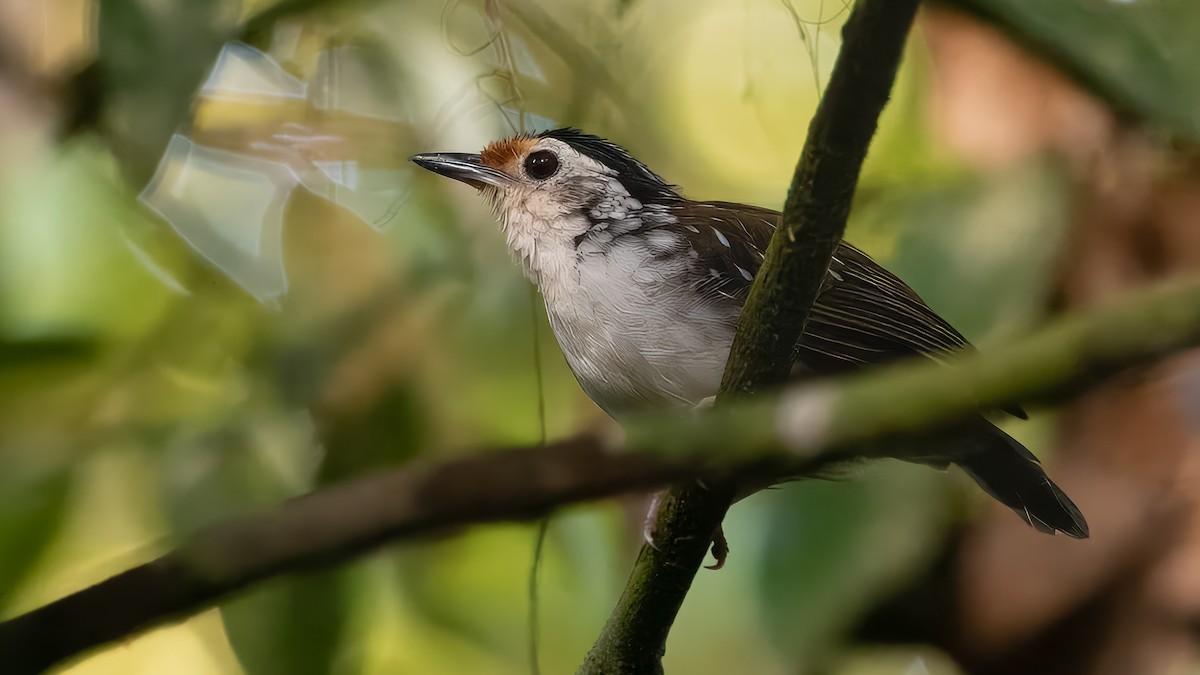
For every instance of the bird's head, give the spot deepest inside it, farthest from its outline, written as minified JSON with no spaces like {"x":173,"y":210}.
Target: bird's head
{"x":551,"y":188}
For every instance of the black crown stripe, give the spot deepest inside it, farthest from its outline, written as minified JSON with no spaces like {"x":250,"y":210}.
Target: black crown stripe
{"x":642,"y":183}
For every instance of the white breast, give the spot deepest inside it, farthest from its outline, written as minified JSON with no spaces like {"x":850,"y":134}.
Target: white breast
{"x":636,"y":335}
{"x":633,"y":335}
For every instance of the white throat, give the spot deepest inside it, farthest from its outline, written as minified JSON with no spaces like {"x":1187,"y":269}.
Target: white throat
{"x":547,"y":256}
{"x":542,"y":238}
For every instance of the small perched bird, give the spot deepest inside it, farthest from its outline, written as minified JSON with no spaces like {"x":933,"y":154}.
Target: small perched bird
{"x":643,"y":288}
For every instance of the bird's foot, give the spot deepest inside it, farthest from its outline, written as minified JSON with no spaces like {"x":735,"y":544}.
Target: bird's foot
{"x":649,"y":520}
{"x":720,"y":549}
{"x":720,"y":546}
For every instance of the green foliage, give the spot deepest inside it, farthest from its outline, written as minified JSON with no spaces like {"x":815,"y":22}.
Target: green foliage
{"x":996,"y":238}
{"x":290,"y":626}
{"x":48,"y":351}
{"x":835,"y":546}
{"x":1138,"y":55}
{"x":32,"y":506}
{"x":410,"y":339}
{"x":385,"y":435}
{"x":474,"y":587}
{"x":152,"y":58}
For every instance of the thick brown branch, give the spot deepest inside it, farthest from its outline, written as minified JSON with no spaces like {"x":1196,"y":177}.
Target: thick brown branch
{"x":323,"y":528}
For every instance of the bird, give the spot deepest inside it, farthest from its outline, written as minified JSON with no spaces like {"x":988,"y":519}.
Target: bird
{"x":643,"y":288}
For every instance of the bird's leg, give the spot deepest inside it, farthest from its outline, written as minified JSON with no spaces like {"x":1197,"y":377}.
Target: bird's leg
{"x":720,"y":549}
{"x":720,"y":546}
{"x":649,"y":520}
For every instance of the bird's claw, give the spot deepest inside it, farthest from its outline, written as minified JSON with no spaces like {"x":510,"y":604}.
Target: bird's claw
{"x":648,"y":521}
{"x":720,"y":546}
{"x":720,"y":549}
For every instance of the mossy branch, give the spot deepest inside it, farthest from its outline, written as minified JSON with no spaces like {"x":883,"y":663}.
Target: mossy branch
{"x":857,"y":411}
{"x":790,"y":433}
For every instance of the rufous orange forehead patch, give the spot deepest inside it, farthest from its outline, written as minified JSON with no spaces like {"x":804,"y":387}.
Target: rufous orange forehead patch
{"x":505,"y":154}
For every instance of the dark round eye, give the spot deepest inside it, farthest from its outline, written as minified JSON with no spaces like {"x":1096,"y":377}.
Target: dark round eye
{"x":541,"y":165}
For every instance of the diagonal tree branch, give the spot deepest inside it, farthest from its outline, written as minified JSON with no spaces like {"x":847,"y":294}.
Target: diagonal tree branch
{"x":800,"y":430}
{"x":818,"y":201}
{"x":814,"y":218}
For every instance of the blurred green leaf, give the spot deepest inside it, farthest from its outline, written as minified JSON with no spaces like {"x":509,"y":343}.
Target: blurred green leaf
{"x":1141,"y":56}
{"x":257,"y":26}
{"x":474,"y":586}
{"x":834,"y":546}
{"x":66,"y":267}
{"x":45,"y":351}
{"x":385,"y":434}
{"x":245,"y":463}
{"x":291,"y":625}
{"x":152,"y":58}
{"x":31,"y":510}
{"x":979,"y":249}
{"x":498,"y":397}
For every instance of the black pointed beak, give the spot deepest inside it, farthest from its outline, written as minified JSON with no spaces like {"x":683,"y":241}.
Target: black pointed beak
{"x":462,"y":167}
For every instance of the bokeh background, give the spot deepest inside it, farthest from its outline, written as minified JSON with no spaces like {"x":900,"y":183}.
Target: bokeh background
{"x":222,"y":285}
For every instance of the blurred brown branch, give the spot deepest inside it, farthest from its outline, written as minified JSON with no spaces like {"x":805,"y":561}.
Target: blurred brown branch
{"x":322,"y":528}
{"x":812,"y":223}
{"x":559,"y":40}
{"x":768,"y":436}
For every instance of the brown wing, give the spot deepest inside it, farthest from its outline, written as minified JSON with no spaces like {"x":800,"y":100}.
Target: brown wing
{"x":864,"y":313}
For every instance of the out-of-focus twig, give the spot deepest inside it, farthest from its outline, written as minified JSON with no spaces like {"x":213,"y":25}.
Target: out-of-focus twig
{"x":585,"y":66}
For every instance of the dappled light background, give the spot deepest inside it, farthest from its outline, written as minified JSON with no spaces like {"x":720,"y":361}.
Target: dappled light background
{"x":222,"y":285}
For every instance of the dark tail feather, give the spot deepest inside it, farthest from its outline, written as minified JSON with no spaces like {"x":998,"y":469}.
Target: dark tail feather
{"x":1011,"y":474}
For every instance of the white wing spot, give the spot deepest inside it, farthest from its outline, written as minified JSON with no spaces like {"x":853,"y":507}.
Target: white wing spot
{"x":721,"y":238}
{"x":745,"y":275}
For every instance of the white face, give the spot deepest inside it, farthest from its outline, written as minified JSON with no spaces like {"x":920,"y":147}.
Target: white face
{"x":550,"y":194}
{"x":546,"y":192}
{"x":551,"y":187}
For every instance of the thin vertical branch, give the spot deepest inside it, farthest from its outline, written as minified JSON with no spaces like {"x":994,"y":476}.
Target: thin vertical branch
{"x":813,"y":221}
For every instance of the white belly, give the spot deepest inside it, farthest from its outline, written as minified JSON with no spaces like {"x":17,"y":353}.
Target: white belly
{"x":632,"y":343}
